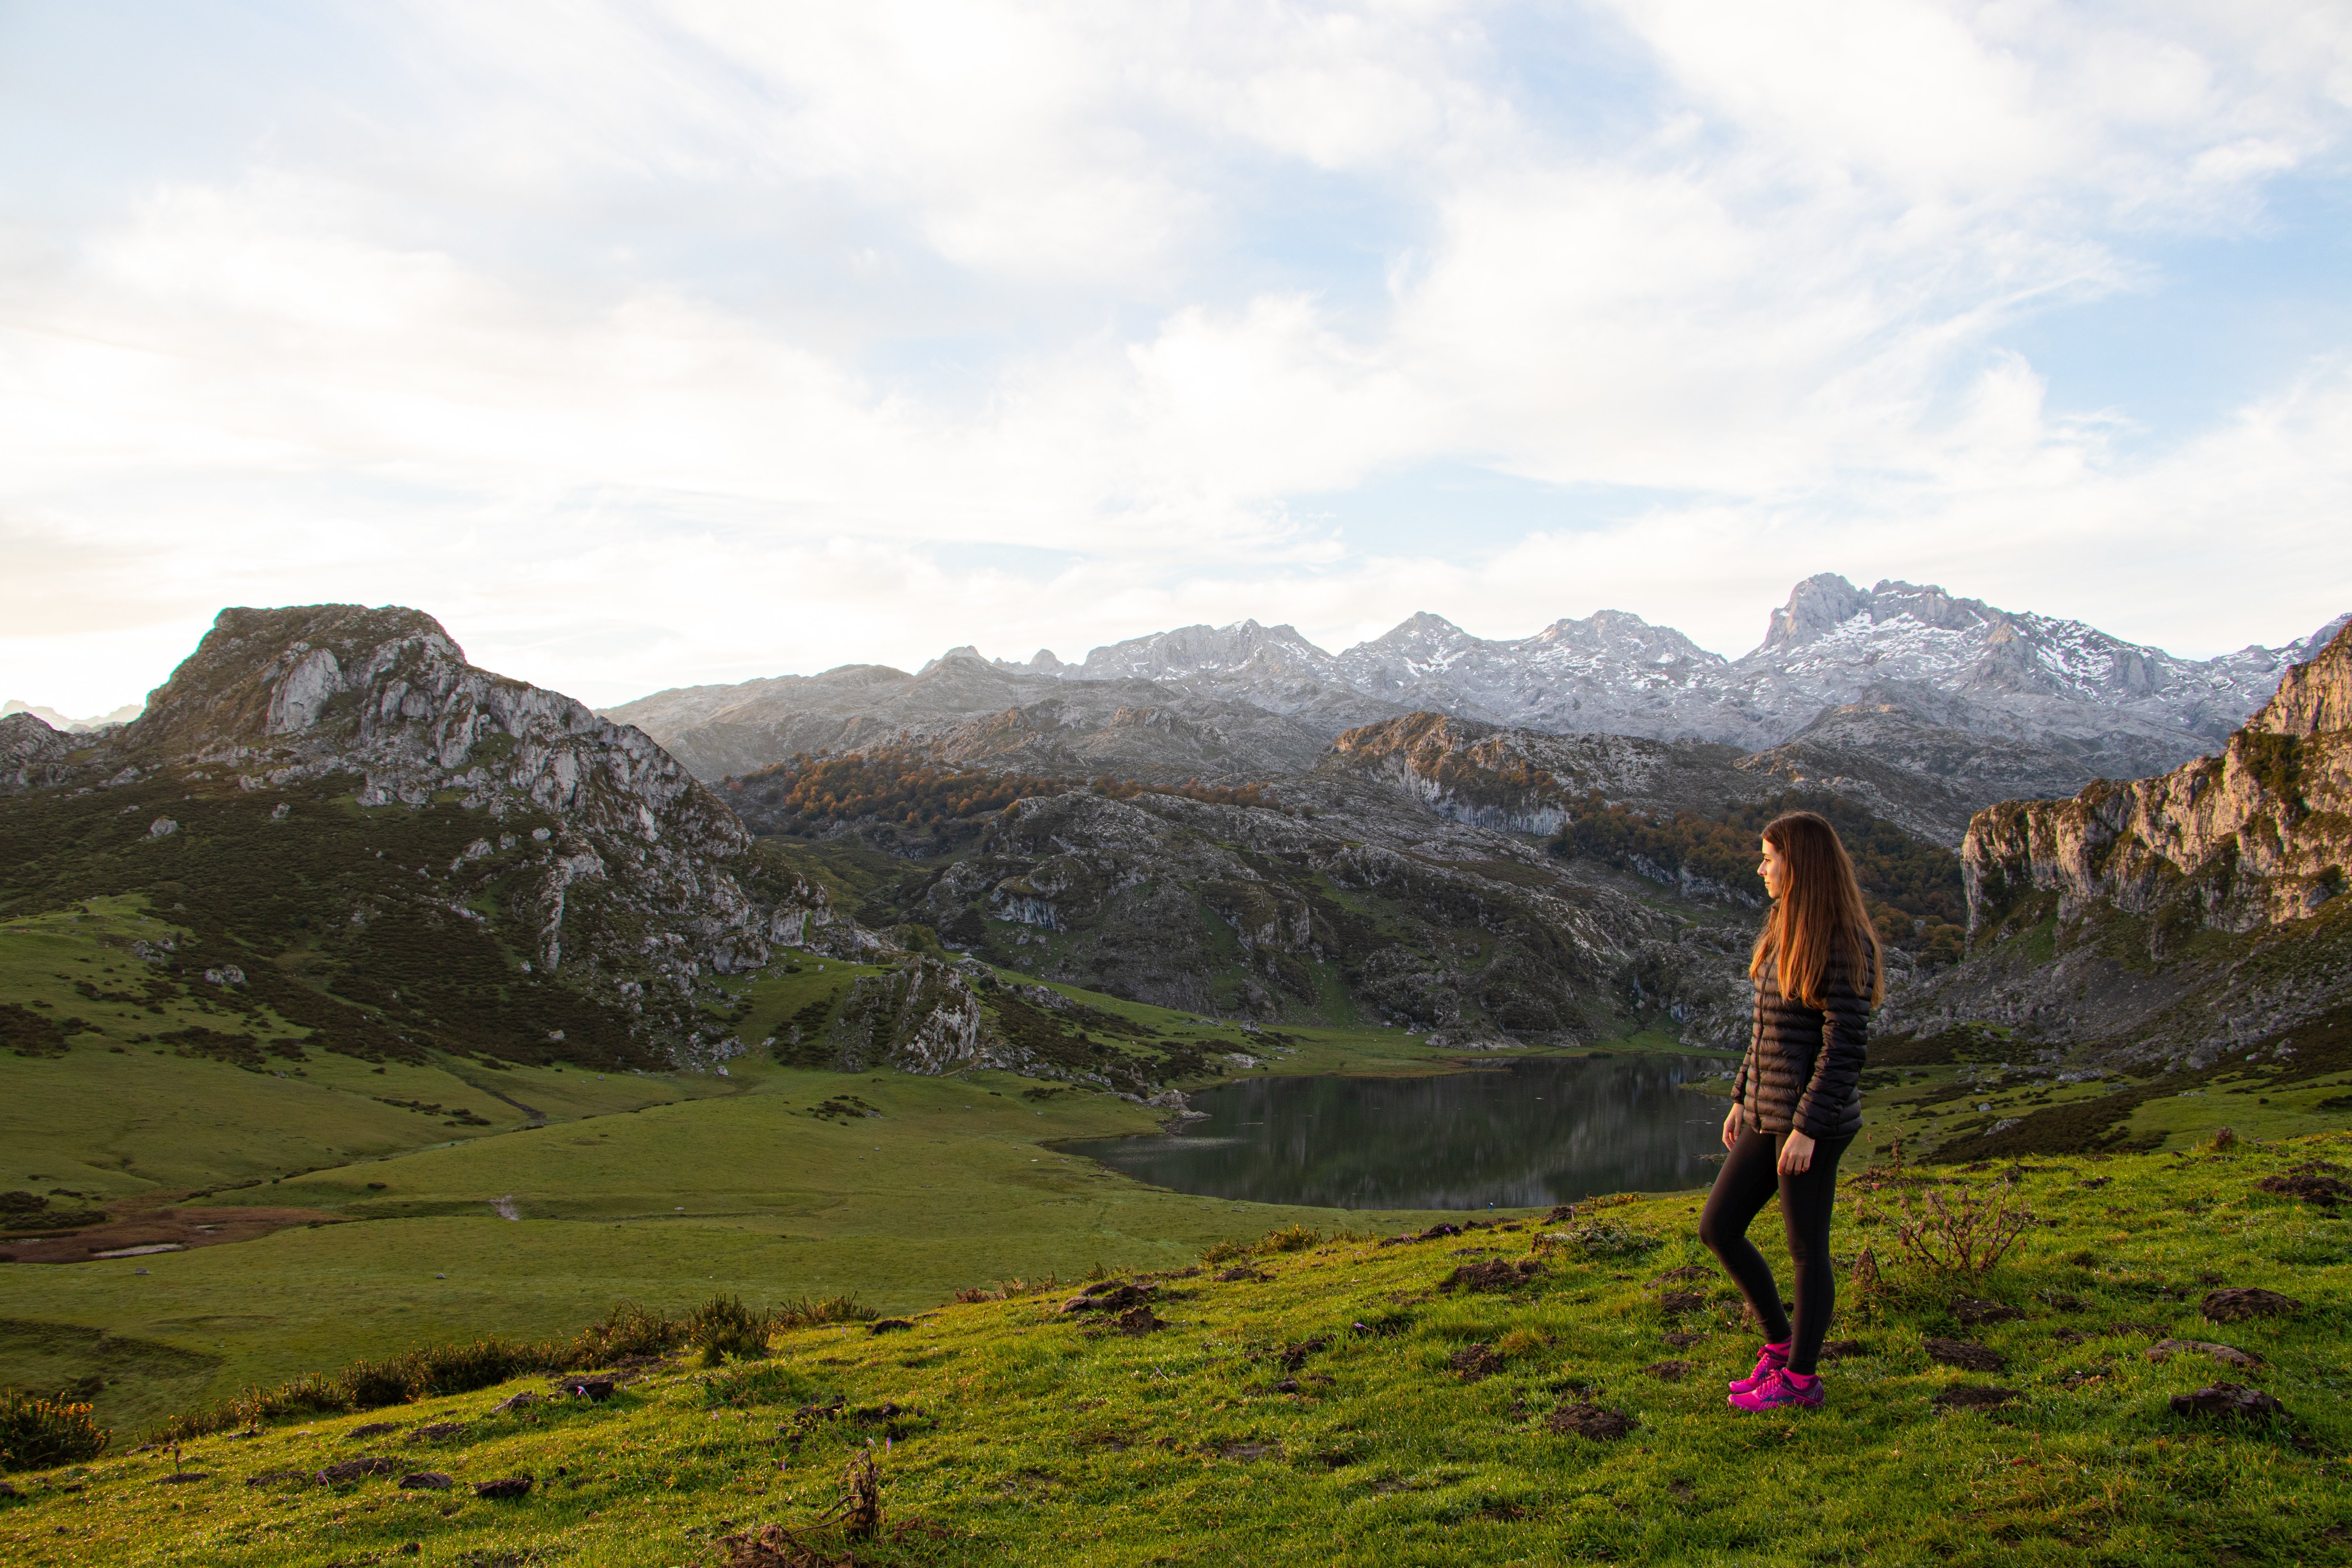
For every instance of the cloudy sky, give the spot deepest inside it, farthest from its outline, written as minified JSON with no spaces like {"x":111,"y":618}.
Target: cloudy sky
{"x":646,"y":344}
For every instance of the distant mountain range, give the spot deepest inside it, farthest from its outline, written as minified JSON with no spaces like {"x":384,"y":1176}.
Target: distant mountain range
{"x":2051,"y":703}
{"x":57,"y":720}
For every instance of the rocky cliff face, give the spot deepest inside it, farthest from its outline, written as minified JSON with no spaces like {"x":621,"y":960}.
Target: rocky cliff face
{"x":2257,"y":834}
{"x":32,"y":754}
{"x":2175,"y":916}
{"x":1526,"y":782}
{"x":575,"y":848}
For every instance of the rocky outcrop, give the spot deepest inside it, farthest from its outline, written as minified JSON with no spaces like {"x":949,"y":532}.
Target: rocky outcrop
{"x":567,"y":853}
{"x":1528,"y":782}
{"x":1269,"y":913}
{"x":281,"y":697}
{"x":32,"y":754}
{"x":2174,"y":918}
{"x":921,"y":1018}
{"x":2257,"y":834}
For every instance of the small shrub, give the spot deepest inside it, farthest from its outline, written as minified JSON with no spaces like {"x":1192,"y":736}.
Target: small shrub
{"x":461,"y":1369}
{"x":1602,"y":1238}
{"x":374,"y":1385}
{"x":37,"y":1433}
{"x":808,"y":1311}
{"x":627,"y":1330}
{"x":1218,"y":1252}
{"x":772,"y":1383}
{"x":1292,"y":1238}
{"x":724,"y":1326}
{"x":1962,"y":1236}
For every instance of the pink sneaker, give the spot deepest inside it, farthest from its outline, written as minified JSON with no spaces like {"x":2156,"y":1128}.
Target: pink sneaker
{"x":1781,"y":1390}
{"x":1769,"y":1359}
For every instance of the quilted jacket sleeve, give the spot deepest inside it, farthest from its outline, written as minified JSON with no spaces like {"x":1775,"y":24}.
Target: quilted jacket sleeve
{"x":1837,"y":1066}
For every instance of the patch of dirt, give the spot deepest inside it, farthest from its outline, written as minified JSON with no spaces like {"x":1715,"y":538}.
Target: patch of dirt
{"x":1966,"y":1354}
{"x":773,"y":1546}
{"x":371,"y":1429}
{"x":1674,"y":1303}
{"x":1474,"y":1363}
{"x":354,"y":1469}
{"x":439,"y":1431}
{"x":176,"y":1228}
{"x":2228,"y":1355}
{"x":505,"y":1487}
{"x":2325,"y":1191}
{"x":1975,"y":1311}
{"x":1495,"y":1274}
{"x":2227,"y":1400}
{"x":1594,"y":1421}
{"x":1668,"y":1370}
{"x":1247,"y":1451}
{"x":1682,"y":1342}
{"x":1244,"y":1275}
{"x":1843,"y":1350}
{"x":1295,"y":1357}
{"x":288,"y":1478}
{"x":1108,"y":1296}
{"x":425,"y":1481}
{"x":1968,"y":1396}
{"x":1687,"y":1271}
{"x":2239,"y":1303}
{"x":1139,"y":1320}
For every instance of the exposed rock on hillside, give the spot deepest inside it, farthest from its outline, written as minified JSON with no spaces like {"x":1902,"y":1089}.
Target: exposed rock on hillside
{"x":1369,"y":901}
{"x":32,"y":754}
{"x":2086,"y":913}
{"x":919,"y":1018}
{"x":971,"y":712}
{"x":514,"y":842}
{"x":2259,"y":834}
{"x":1525,"y":781}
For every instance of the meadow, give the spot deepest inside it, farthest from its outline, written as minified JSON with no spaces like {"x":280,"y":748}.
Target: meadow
{"x":1537,"y":1390}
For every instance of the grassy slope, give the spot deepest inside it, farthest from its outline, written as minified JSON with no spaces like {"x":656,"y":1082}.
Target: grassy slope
{"x":731,"y":1184}
{"x":1033,"y":1443}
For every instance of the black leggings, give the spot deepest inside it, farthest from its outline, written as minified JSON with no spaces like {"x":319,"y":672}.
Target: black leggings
{"x":1749,"y":1177}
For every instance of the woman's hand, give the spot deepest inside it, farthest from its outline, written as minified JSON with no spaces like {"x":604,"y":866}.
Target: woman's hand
{"x":1731,"y":1128}
{"x":1797,"y":1155}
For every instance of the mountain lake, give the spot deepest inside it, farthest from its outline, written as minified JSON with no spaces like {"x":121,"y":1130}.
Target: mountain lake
{"x":1519,"y":1133}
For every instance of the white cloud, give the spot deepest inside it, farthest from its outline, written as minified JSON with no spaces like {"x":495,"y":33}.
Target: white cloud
{"x":689,"y":340}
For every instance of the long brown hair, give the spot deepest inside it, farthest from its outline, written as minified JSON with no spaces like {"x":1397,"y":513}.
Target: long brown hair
{"x":1820,"y":911}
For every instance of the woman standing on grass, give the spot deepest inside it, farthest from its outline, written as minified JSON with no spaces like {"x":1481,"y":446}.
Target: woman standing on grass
{"x":1797,"y":1100}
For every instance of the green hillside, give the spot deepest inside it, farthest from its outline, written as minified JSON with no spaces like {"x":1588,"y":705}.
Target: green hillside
{"x":1489,"y":1396}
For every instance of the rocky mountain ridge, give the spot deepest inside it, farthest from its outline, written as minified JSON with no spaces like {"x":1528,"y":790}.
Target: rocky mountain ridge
{"x":2056,"y":701}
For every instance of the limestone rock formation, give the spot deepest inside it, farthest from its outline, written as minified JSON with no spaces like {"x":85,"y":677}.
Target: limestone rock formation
{"x":921,"y":1018}
{"x":32,"y":754}
{"x":544,"y":857}
{"x":2176,"y":917}
{"x":2257,"y":834}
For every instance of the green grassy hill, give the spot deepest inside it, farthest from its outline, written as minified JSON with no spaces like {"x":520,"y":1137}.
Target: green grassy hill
{"x":563,"y":1188}
{"x":1358,"y":1402}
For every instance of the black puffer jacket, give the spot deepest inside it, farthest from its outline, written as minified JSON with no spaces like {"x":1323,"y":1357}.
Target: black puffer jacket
{"x":1803,"y":1064}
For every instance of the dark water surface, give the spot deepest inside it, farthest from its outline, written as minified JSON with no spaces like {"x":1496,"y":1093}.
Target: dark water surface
{"x":1532,"y":1131}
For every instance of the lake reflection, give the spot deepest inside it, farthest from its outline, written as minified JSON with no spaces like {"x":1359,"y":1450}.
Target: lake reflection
{"x":1531,"y":1132}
